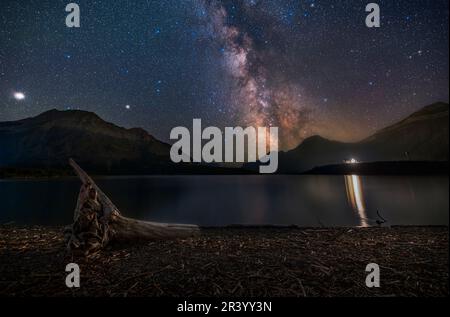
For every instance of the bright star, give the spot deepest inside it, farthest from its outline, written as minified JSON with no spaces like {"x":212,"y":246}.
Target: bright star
{"x":19,"y":95}
{"x":128,"y":107}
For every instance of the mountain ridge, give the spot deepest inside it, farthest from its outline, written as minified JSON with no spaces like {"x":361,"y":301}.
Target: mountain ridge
{"x":50,"y":138}
{"x":421,"y":136}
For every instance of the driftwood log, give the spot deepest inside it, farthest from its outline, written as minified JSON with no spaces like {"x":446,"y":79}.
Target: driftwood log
{"x":97,"y":221}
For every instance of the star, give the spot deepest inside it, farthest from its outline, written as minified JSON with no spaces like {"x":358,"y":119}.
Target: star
{"x":128,"y":107}
{"x":19,"y":96}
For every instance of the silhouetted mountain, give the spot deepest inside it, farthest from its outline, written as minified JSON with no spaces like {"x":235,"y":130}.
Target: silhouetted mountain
{"x":49,"y":139}
{"x":384,"y":168}
{"x":423,"y":136}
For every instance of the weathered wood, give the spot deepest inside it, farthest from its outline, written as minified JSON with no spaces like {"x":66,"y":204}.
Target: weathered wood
{"x":97,"y":221}
{"x":109,"y":207}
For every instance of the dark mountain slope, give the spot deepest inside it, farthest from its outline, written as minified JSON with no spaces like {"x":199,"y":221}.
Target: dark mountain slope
{"x":50,"y":138}
{"x":423,"y":136}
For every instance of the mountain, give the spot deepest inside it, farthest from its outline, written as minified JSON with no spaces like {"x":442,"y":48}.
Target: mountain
{"x":422,"y":136}
{"x":49,"y":139}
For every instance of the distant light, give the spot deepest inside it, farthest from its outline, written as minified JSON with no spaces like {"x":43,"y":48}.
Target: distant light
{"x":351,"y":161}
{"x":19,"y":95}
{"x":128,"y":107}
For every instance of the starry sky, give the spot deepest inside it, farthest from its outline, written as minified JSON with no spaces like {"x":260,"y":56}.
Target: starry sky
{"x":306,"y":66}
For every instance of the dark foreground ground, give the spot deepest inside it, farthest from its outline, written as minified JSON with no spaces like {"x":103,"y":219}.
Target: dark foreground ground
{"x":234,"y":262}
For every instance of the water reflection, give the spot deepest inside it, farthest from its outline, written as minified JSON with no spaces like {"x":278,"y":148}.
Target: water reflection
{"x":306,"y":200}
{"x":355,"y":197}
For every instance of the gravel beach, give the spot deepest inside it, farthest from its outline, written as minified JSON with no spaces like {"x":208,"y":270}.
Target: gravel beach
{"x":233,"y":261}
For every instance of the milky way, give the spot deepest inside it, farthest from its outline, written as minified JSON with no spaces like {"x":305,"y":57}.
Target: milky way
{"x":257,"y":100}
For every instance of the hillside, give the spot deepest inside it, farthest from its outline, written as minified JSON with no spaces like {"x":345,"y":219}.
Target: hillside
{"x":422,"y":136}
{"x":49,"y":139}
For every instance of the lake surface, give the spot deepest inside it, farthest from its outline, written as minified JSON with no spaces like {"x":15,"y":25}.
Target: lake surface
{"x":225,"y":200}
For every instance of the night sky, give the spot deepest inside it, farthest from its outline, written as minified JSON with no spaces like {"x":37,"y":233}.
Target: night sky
{"x":308,"y":67}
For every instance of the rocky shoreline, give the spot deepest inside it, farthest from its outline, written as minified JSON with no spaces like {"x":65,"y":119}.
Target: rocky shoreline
{"x":233,"y":261}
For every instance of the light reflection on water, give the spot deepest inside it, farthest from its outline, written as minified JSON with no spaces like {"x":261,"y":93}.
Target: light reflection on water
{"x":355,"y":197}
{"x":306,"y":200}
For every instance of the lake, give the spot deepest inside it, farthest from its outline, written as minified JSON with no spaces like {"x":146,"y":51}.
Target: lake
{"x":225,"y":200}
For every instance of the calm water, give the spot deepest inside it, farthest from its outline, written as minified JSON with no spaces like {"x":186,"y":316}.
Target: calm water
{"x":224,"y":200}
